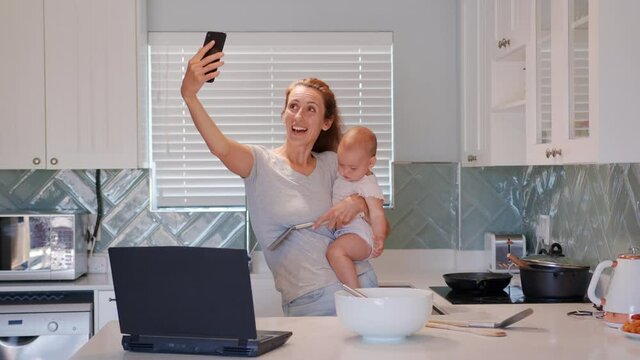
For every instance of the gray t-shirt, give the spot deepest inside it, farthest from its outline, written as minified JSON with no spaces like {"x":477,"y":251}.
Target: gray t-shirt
{"x":278,"y":197}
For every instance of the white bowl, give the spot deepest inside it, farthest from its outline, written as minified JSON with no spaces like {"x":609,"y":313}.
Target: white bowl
{"x":387,"y":314}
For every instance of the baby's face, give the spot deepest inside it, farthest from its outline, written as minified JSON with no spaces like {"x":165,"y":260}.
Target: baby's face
{"x":353,"y":164}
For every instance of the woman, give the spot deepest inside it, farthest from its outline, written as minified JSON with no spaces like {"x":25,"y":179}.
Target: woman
{"x":288,"y":185}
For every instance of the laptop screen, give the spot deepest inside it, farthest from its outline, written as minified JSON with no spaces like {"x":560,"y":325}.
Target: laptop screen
{"x":183,"y":292}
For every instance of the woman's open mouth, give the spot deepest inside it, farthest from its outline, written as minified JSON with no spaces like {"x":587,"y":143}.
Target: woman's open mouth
{"x":298,"y":130}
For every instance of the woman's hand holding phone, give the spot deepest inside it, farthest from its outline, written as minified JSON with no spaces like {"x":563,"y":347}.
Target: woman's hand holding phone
{"x":201,"y":68}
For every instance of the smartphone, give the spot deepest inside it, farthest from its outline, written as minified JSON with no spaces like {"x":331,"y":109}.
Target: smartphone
{"x":219,"y":38}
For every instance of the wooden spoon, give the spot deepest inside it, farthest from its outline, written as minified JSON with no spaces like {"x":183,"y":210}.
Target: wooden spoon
{"x":483,"y":332}
{"x":519,"y":262}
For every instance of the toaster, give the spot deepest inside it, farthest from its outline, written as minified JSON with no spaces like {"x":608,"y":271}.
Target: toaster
{"x":497,"y":246}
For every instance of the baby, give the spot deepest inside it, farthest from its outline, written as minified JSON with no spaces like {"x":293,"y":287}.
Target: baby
{"x":359,"y":239}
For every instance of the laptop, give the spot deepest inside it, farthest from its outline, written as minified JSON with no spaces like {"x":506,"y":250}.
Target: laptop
{"x":187,"y":300}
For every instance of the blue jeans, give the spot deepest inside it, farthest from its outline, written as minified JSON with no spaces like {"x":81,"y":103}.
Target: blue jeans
{"x":321,"y":302}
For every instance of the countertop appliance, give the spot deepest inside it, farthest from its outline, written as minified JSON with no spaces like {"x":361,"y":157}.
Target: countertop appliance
{"x":512,"y":294}
{"x":44,"y":325}
{"x":497,"y":246}
{"x":39,"y":246}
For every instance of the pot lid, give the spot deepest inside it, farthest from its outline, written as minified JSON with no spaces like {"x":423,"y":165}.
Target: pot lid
{"x":633,"y":254}
{"x":554,"y":259}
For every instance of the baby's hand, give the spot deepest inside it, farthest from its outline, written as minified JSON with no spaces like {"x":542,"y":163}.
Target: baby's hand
{"x":378,"y":247}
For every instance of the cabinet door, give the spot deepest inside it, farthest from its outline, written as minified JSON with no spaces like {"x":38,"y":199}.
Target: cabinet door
{"x":542,"y":88}
{"x":91,"y":83}
{"x":106,"y":309}
{"x":511,"y":24}
{"x":22,"y":138}
{"x":577,"y":131}
{"x":560,"y":129}
{"x":473,"y":76}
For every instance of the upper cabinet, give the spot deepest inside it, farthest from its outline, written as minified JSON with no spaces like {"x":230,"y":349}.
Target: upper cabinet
{"x":569,"y":94}
{"x":511,"y":23}
{"x":583,"y":80}
{"x":493,"y":81}
{"x":71,"y":89}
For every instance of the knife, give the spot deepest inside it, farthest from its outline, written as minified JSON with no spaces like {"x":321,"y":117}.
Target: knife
{"x":286,"y":233}
{"x":485,"y":324}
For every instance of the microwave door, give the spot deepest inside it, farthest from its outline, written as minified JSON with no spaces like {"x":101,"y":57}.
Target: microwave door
{"x":14,"y":243}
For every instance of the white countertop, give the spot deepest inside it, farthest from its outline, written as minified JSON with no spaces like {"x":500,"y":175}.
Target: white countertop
{"x":547,"y":334}
{"x":84,"y":282}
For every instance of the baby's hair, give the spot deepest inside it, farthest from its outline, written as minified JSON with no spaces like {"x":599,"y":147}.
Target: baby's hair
{"x":361,"y":136}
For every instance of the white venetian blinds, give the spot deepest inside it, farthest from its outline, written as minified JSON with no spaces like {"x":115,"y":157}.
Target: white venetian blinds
{"x":247,"y":99}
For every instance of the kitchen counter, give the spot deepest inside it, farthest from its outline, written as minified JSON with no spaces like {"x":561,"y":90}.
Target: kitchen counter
{"x":547,"y":334}
{"x":84,"y":282}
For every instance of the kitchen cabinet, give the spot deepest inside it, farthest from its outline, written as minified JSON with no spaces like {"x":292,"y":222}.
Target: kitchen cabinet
{"x":105,"y":309}
{"x":471,"y":72}
{"x":493,"y":82}
{"x":510,"y":26}
{"x":568,"y":96}
{"x":511,"y":20}
{"x":72,"y":84}
{"x":583,"y":82}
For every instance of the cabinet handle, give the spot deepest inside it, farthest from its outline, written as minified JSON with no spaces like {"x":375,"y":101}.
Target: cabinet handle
{"x":501,"y":43}
{"x":471,"y":158}
{"x":507,"y":42}
{"x":36,"y":161}
{"x":557,"y":152}
{"x":548,"y":153}
{"x":112,"y":299}
{"x":54,"y":161}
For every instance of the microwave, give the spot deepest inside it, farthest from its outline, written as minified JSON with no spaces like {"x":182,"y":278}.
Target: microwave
{"x":43,"y":246}
{"x":497,"y":246}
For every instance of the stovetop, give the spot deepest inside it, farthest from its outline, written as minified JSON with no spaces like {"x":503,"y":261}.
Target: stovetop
{"x":510,"y":295}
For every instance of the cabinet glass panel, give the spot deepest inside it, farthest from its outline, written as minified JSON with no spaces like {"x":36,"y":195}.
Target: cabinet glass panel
{"x":578,"y":69}
{"x":543,"y":73}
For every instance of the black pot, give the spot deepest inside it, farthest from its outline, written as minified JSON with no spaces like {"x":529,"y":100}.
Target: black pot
{"x":555,"y":283}
{"x":485,"y":282}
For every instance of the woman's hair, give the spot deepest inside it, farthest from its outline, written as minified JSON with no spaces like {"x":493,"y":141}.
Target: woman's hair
{"x":328,"y":139}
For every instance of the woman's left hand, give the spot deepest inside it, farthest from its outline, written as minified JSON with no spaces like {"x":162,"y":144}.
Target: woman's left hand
{"x":342,"y":213}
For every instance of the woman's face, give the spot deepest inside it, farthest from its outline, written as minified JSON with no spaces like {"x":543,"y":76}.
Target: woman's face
{"x":304,"y":116}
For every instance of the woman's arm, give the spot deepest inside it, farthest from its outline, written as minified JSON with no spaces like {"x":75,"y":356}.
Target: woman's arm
{"x":237,"y":157}
{"x":346,"y":210}
{"x":343,"y":212}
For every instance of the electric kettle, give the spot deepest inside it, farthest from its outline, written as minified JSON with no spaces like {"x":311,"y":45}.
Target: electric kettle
{"x":622,"y":298}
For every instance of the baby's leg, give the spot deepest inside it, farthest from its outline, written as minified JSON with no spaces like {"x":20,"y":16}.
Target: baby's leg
{"x":343,"y":252}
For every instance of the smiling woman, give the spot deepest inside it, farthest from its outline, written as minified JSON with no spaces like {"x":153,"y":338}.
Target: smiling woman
{"x":288,"y":185}
{"x":246,"y":101}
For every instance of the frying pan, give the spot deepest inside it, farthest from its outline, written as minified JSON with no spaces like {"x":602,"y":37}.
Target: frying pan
{"x":477,"y":281}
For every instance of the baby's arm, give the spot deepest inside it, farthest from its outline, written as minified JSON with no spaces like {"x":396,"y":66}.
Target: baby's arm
{"x":379,"y":224}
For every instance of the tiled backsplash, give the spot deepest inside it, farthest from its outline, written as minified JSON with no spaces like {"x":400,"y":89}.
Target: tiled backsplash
{"x":593,"y":208}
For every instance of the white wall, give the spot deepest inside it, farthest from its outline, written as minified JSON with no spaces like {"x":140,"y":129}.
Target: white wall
{"x":425,"y":53}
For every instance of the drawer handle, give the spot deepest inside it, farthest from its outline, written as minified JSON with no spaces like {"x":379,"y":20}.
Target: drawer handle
{"x":112,"y":299}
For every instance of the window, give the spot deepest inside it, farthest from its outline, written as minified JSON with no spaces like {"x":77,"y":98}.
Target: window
{"x":246,"y":102}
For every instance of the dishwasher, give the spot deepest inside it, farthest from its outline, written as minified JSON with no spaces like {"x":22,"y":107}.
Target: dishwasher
{"x":44,"y":325}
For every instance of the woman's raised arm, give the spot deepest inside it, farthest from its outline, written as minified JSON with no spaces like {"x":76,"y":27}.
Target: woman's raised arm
{"x":237,"y":157}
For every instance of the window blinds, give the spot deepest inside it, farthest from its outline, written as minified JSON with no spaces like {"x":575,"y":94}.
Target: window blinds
{"x":247,"y":99}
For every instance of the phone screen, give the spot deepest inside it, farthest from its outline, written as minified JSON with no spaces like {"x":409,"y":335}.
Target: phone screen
{"x":219,"y":38}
